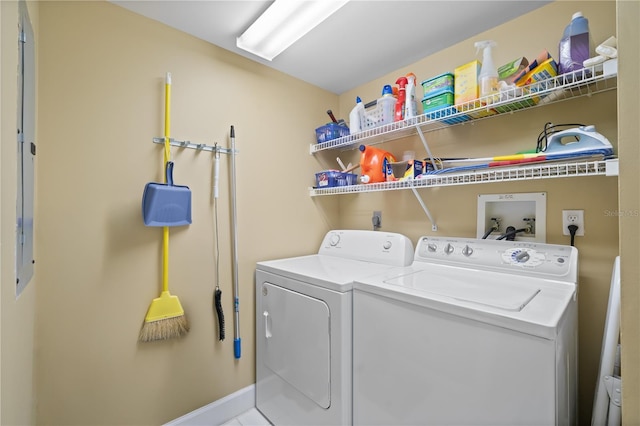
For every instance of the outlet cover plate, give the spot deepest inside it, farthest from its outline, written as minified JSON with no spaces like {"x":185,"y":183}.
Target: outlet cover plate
{"x":575,"y":217}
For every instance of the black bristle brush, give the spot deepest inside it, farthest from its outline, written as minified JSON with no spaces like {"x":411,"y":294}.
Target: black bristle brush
{"x":218,"y":305}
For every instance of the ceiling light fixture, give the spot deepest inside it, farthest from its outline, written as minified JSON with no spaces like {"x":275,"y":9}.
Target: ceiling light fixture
{"x":284,"y":23}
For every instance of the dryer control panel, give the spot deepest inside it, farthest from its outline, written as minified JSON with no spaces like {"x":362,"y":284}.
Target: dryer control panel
{"x":387,"y":248}
{"x":526,"y":258}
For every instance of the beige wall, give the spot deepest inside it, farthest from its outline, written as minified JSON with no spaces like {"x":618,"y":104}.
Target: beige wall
{"x":454,"y":208}
{"x":101,"y":102}
{"x":629,"y":135}
{"x":101,"y":71}
{"x":17,"y":321}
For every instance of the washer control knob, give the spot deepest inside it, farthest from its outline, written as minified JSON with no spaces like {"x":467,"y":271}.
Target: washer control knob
{"x":448,"y":249}
{"x":386,"y":245}
{"x":432,"y":247}
{"x":334,"y":239}
{"x":523,"y":256}
{"x":467,"y":251}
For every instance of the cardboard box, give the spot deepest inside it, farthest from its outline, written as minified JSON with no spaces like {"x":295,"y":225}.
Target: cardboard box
{"x":465,"y":81}
{"x":509,"y":71}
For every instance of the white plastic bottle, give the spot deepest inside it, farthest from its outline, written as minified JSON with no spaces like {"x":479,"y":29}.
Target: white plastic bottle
{"x":356,"y":117}
{"x":488,"y":78}
{"x":411,"y":105}
{"x":385,"y":106}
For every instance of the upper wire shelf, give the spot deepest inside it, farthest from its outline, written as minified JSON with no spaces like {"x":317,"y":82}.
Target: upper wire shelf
{"x":584,"y":82}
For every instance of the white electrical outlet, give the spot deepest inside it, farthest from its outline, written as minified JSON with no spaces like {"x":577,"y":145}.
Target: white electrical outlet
{"x":573,"y":217}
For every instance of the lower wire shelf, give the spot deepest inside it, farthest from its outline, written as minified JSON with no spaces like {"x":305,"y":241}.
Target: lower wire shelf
{"x":502,"y":174}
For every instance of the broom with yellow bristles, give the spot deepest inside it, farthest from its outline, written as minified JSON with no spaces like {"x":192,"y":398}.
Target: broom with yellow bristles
{"x":165,"y":318}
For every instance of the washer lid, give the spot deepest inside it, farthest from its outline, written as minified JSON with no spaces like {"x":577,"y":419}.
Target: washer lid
{"x":493,"y":293}
{"x":520,"y":303}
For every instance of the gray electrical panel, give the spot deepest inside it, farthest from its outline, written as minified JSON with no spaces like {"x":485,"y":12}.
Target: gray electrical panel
{"x":26,"y":151}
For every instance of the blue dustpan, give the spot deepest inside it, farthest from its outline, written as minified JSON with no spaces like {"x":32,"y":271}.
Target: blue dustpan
{"x":166,"y":204}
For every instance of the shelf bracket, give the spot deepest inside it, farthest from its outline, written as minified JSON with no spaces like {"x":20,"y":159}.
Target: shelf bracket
{"x":426,"y":146}
{"x":196,"y":146}
{"x":434,"y":227}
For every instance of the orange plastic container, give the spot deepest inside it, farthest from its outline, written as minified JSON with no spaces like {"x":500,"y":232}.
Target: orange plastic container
{"x":375,"y":164}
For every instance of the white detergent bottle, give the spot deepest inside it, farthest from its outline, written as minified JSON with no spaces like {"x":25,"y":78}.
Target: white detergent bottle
{"x":488,"y":78}
{"x":574,"y":47}
{"x":385,"y":107}
{"x":356,"y":117}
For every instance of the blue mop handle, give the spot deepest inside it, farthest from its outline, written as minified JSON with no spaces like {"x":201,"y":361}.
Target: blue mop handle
{"x":236,"y":341}
{"x":234,"y":239}
{"x":236,"y":348}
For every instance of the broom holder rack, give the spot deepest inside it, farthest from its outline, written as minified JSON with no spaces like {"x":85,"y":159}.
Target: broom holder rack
{"x":196,"y":146}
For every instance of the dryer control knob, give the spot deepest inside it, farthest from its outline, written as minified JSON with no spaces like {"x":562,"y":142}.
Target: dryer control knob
{"x":467,"y":251}
{"x":448,"y":248}
{"x":432,"y":247}
{"x":387,"y":245}
{"x":334,"y":239}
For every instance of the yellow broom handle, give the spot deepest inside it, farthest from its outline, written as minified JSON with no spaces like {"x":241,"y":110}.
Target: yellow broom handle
{"x":165,"y":258}
{"x":167,"y":120}
{"x":167,"y":158}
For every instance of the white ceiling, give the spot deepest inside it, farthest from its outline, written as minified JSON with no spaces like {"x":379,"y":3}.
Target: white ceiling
{"x":361,"y":42}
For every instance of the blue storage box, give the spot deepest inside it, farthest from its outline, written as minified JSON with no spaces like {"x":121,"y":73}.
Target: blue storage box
{"x":437,"y":84}
{"x":440,"y":105}
{"x":333,"y":178}
{"x":331,"y":131}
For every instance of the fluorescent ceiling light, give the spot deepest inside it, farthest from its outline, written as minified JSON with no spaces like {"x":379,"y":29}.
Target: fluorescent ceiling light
{"x":284,"y":23}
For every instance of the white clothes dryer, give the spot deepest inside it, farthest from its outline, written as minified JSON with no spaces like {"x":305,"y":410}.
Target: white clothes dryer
{"x":474,"y":332}
{"x":304,"y":325}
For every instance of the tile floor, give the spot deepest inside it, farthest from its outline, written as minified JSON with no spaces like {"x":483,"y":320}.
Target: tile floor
{"x":251,"y":417}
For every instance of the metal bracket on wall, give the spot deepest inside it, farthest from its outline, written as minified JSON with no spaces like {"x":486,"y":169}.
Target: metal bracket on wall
{"x":426,"y":146}
{"x":197,"y":146}
{"x":434,"y":227}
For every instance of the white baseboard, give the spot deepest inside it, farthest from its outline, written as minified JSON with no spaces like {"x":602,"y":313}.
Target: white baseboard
{"x":220,"y":411}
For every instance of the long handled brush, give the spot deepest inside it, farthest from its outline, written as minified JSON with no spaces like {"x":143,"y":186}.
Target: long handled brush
{"x":165,"y":318}
{"x":217,"y":295}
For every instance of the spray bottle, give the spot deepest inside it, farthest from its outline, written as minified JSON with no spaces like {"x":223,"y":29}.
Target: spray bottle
{"x":411,"y":105}
{"x":402,"y":98}
{"x":488,"y":78}
{"x":356,"y":117}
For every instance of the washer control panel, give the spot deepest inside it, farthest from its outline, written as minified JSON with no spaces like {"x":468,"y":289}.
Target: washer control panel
{"x":515,"y":256}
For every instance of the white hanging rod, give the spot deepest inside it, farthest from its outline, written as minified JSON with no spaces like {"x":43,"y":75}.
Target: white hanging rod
{"x":192,"y":145}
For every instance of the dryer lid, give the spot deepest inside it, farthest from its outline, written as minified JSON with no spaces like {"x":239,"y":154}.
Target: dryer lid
{"x":493,"y":293}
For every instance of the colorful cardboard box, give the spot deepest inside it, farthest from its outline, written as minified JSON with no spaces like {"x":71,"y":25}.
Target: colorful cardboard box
{"x":465,"y":82}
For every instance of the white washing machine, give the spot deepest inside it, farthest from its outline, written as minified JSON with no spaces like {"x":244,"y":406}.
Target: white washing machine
{"x":304,"y":325}
{"x":474,"y":332}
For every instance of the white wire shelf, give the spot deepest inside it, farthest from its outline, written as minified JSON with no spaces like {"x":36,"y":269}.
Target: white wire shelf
{"x":490,"y":175}
{"x":584,"y":82}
